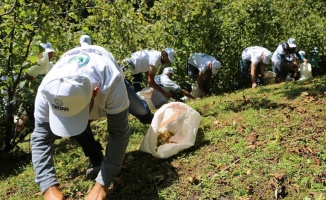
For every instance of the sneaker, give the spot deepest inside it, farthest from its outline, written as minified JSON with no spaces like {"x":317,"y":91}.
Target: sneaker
{"x":92,"y":171}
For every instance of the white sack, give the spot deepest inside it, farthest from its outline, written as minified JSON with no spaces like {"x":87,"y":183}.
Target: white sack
{"x":146,"y":95}
{"x":175,"y":117}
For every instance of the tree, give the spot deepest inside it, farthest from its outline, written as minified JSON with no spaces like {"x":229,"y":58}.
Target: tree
{"x":222,"y":28}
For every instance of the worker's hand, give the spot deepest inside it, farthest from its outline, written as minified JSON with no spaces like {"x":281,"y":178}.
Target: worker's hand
{"x":167,"y":95}
{"x":53,"y":193}
{"x":98,"y":192}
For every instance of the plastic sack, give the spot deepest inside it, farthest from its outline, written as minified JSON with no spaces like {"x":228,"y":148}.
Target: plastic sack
{"x":269,"y":77}
{"x":195,"y":91}
{"x":146,"y":95}
{"x":305,"y":71}
{"x":177,"y":119}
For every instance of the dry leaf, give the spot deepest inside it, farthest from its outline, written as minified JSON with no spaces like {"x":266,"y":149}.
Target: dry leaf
{"x":223,"y":167}
{"x":304,"y":94}
{"x":279,"y":176}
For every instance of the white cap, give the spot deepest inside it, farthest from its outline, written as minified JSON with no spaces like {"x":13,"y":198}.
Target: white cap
{"x":267,"y":57}
{"x":68,"y":93}
{"x":47,"y":46}
{"x":85,"y":40}
{"x":291,"y":43}
{"x":168,"y":70}
{"x":216,"y":65}
{"x":171,"y":53}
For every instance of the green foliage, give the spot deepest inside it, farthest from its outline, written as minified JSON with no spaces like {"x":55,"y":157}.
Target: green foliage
{"x":221,"y":28}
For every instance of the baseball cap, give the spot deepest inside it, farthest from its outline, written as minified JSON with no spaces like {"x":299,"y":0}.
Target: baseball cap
{"x":216,"y":65}
{"x":291,"y":43}
{"x":267,"y":57}
{"x":171,"y":53}
{"x":68,"y":96}
{"x":85,"y":40}
{"x":47,"y":46}
{"x":168,"y":70}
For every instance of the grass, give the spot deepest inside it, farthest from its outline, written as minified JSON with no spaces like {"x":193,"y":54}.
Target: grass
{"x":263,"y":143}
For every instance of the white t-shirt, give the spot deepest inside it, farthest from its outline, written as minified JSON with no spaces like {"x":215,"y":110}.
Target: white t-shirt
{"x":103,"y":72}
{"x":143,"y":59}
{"x":167,"y":85}
{"x":253,"y":54}
{"x":201,"y":61}
{"x":278,"y":52}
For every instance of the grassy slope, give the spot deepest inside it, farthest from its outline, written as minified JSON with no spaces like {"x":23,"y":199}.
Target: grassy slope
{"x":252,"y":144}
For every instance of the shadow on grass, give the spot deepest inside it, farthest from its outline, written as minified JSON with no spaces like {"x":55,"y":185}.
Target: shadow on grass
{"x":289,"y":91}
{"x":15,"y":164}
{"x":12,"y":165}
{"x":295,"y":89}
{"x":252,"y":103}
{"x":143,"y":175}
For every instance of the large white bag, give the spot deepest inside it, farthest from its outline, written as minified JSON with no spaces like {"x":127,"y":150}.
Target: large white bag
{"x":305,"y":71}
{"x":269,"y":77}
{"x":195,"y":91}
{"x":177,"y":119}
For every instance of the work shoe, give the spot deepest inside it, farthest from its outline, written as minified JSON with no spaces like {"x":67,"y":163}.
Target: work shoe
{"x":92,"y":171}
{"x":98,"y":192}
{"x":53,"y":193}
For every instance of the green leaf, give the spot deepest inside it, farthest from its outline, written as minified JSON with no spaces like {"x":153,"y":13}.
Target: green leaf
{"x":29,"y":27}
{"x":33,"y":59}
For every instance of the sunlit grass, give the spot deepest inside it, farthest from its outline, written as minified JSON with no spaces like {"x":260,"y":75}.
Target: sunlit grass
{"x":250,"y":144}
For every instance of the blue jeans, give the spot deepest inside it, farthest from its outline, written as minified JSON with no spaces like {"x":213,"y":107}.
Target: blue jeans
{"x":42,"y":142}
{"x":245,"y":65}
{"x":138,"y":107}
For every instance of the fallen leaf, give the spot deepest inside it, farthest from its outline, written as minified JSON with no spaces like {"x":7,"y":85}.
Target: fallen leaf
{"x":252,"y":138}
{"x":252,"y":147}
{"x":223,"y":167}
{"x":79,"y":194}
{"x":244,"y":198}
{"x":317,"y":160}
{"x":279,"y":176}
{"x":193,"y":179}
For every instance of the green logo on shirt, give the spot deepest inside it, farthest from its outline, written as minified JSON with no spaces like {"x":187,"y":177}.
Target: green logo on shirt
{"x":82,"y":59}
{"x":58,"y":102}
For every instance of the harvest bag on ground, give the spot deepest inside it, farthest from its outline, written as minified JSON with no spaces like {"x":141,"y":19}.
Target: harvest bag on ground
{"x":173,"y":129}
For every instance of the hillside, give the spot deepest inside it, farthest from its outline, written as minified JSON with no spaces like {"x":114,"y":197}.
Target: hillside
{"x":252,"y":144}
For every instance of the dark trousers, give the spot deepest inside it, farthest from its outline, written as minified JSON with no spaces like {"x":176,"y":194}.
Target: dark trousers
{"x":193,"y":72}
{"x":91,"y":147}
{"x":281,"y":71}
{"x":245,"y":65}
{"x":136,"y":83}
